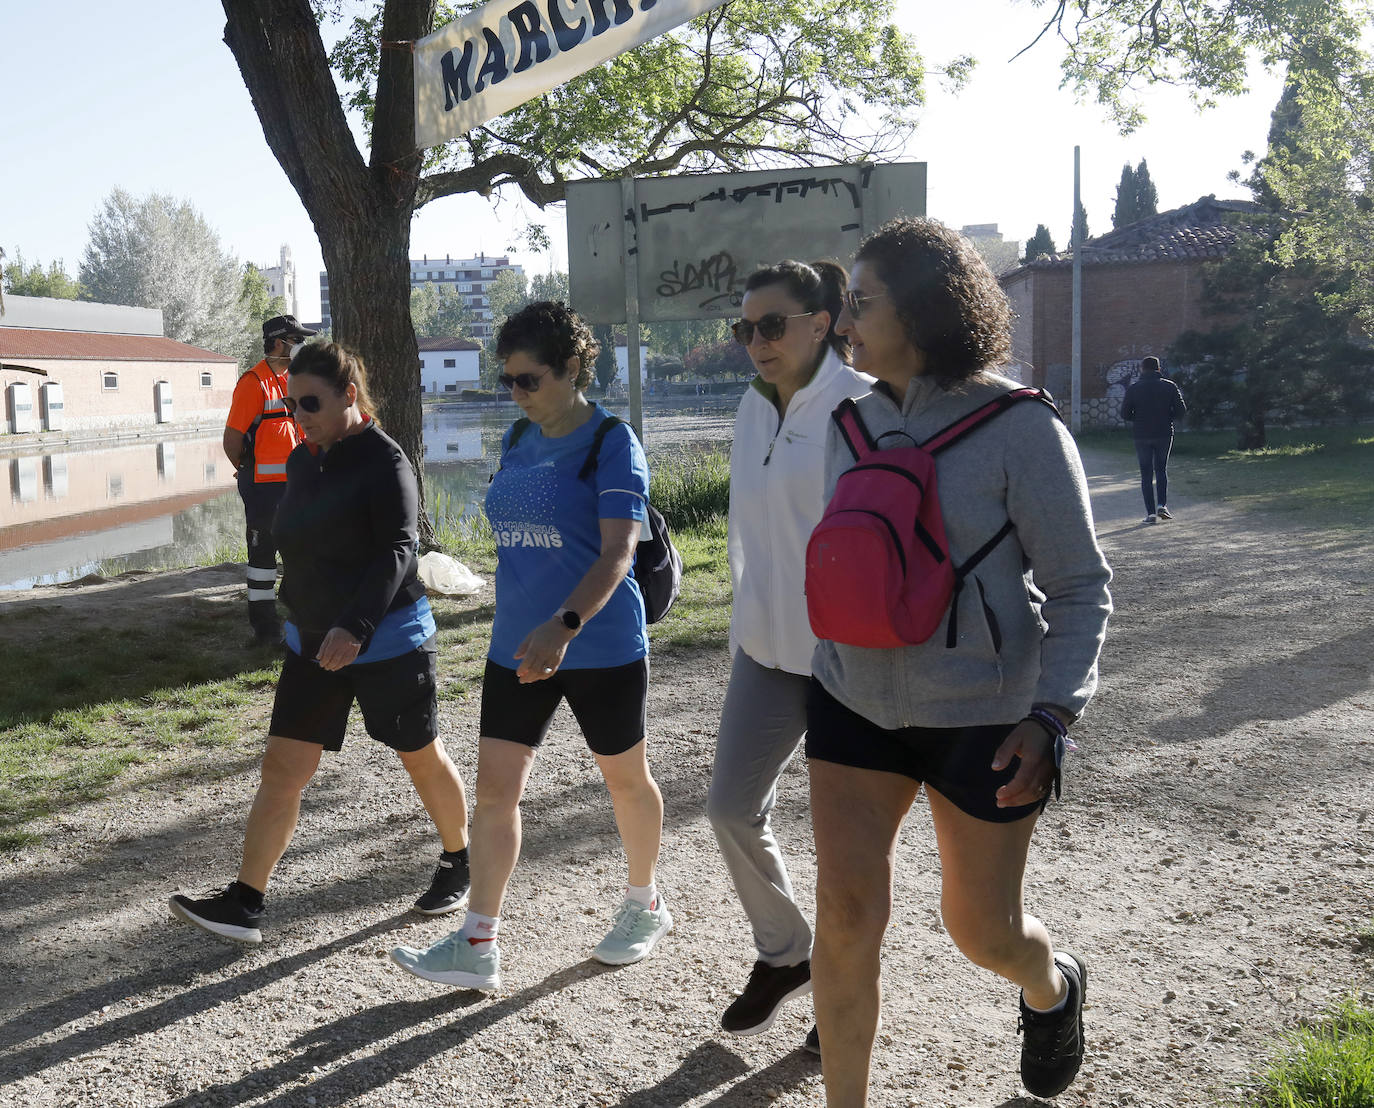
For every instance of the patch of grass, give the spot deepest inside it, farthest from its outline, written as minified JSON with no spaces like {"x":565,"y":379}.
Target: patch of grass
{"x":691,"y":490}
{"x":1327,"y":1065}
{"x":1319,"y":476}
{"x":701,"y":617}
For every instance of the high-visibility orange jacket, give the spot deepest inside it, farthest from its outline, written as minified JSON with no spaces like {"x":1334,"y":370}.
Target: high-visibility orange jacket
{"x":257,"y":412}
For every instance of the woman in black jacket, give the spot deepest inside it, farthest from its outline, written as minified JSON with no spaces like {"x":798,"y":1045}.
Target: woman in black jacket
{"x":360,"y":628}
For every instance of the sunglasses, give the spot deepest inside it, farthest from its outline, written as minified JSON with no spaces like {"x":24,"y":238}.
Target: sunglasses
{"x":309,"y":403}
{"x":771,"y":327}
{"x":527,"y":381}
{"x":852,"y":300}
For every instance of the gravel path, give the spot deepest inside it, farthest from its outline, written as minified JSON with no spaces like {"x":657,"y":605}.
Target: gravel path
{"x":1212,"y":857}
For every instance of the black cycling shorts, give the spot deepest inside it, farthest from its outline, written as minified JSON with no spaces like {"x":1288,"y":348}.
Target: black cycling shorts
{"x":954,"y":761}
{"x":398,"y":698}
{"x":609,"y":705}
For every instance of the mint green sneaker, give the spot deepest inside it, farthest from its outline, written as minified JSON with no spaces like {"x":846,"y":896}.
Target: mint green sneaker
{"x":635,"y":933}
{"x":454,"y":961}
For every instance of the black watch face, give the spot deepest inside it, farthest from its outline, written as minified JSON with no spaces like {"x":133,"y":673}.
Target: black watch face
{"x":572,"y":621}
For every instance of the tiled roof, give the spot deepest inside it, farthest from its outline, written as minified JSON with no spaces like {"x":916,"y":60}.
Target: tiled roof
{"x":1205,"y":229}
{"x":427,"y":345}
{"x":24,"y":342}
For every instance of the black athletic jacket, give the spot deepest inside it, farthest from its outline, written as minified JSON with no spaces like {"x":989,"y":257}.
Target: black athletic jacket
{"x":1151,"y":405}
{"x":347,"y":531}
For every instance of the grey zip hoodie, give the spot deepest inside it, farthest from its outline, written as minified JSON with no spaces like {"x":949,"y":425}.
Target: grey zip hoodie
{"x":1045,"y":584}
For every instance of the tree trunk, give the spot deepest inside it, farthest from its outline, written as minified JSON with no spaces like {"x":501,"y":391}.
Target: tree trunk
{"x":361,"y":211}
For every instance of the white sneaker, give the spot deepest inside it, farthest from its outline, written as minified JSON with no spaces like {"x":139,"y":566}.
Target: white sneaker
{"x":1164,"y":513}
{"x":454,"y":961}
{"x":1150,"y":518}
{"x":635,"y":933}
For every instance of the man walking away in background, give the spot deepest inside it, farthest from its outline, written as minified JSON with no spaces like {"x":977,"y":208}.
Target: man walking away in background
{"x":1152,"y":404}
{"x":258,"y":435}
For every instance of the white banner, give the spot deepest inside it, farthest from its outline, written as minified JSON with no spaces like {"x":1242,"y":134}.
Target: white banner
{"x":504,"y":53}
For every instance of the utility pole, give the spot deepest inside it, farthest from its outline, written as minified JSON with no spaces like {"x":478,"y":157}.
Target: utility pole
{"x":1076,"y":355}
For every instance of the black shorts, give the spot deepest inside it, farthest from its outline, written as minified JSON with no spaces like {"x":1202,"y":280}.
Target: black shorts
{"x":954,"y":761}
{"x":398,"y":698}
{"x":609,"y":705}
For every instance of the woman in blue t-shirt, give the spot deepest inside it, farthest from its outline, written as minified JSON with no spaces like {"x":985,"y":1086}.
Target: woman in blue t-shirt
{"x":569,"y":624}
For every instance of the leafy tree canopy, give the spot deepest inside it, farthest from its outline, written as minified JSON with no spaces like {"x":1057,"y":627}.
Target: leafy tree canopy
{"x":158,"y":252}
{"x":34,"y":280}
{"x":1042,"y":242}
{"x":1136,"y":196}
{"x":440,"y":311}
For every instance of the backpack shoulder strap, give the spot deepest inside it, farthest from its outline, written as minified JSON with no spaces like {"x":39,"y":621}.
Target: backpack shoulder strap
{"x":966,"y":425}
{"x":518,"y":428}
{"x":853,"y":430}
{"x":594,"y":454}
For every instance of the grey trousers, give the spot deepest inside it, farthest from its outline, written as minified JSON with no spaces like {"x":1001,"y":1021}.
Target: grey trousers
{"x":762,"y":723}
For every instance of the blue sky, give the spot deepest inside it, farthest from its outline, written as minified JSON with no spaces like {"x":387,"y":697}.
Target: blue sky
{"x":156,"y":103}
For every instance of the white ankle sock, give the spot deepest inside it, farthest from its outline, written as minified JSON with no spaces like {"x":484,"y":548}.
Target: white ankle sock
{"x":478,"y":928}
{"x":1063,"y":1000}
{"x":642,"y":894}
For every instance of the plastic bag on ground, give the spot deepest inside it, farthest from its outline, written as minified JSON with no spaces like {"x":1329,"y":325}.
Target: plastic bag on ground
{"x":447,"y":576}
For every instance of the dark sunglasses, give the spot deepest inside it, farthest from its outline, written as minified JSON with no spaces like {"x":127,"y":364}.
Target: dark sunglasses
{"x":310,"y":403}
{"x":771,"y":327}
{"x":852,"y":300}
{"x":527,"y":381}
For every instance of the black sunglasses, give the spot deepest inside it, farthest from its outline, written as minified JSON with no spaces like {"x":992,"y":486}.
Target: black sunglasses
{"x":527,"y":381}
{"x":309,"y":403}
{"x":771,"y":327}
{"x":852,"y":300}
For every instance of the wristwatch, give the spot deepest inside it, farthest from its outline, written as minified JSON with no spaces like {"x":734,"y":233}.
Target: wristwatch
{"x":568,"y":618}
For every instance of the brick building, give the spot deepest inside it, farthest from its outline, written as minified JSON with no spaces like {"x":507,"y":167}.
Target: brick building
{"x":83,"y":369}
{"x":1142,"y":288}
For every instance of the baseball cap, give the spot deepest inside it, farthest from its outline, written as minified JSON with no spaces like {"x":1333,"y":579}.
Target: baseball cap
{"x":285,"y":327}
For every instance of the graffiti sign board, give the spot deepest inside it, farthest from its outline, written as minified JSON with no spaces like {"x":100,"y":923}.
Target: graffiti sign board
{"x":692,"y":241}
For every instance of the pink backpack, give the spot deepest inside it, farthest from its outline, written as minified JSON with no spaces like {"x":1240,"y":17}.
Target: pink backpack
{"x":878,"y":570}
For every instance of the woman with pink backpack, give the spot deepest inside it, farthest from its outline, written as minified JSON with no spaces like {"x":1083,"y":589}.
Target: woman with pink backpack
{"x":961,"y":600}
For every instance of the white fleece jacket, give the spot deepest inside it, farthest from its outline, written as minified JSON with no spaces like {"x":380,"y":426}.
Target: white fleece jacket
{"x":777,"y":495}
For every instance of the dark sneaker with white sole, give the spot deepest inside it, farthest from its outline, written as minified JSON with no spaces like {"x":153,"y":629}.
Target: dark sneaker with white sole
{"x":223,"y":914}
{"x":768,"y":989}
{"x":448,"y":891}
{"x":1052,"y":1049}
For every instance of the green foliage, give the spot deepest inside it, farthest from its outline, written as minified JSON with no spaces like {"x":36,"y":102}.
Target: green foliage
{"x":1079,"y":231}
{"x":606,"y":367}
{"x":1136,"y":196}
{"x":440,"y":311}
{"x":1042,"y":242}
{"x":1289,"y":300}
{"x":1329,"y":1064}
{"x":1113,"y":51}
{"x":258,"y":306}
{"x":691,"y":490}
{"x":34,"y":280}
{"x":157,"y":252}
{"x":676,"y":337}
{"x":723,"y":359}
{"x":550,"y":286}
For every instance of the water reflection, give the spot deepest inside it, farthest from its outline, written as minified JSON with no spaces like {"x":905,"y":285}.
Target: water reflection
{"x":152,"y":505}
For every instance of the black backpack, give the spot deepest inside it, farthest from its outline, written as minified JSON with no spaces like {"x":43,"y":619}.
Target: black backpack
{"x":658,"y":565}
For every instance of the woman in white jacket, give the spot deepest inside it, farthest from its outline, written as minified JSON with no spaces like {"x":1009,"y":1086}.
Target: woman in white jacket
{"x":777,"y":478}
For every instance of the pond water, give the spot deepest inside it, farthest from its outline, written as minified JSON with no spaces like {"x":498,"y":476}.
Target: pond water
{"x":151,"y":505}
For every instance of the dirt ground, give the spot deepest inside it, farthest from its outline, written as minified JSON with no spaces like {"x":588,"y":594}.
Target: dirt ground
{"x":1213,"y":857}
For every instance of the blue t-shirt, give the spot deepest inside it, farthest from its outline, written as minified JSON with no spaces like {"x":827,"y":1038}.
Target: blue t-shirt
{"x":547,"y":527}
{"x":398,"y":633}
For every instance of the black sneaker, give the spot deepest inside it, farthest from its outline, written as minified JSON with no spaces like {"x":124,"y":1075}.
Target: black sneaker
{"x":223,"y":914}
{"x":448,"y":891}
{"x":769,"y":988}
{"x":1052,"y":1049}
{"x":812,"y":1045}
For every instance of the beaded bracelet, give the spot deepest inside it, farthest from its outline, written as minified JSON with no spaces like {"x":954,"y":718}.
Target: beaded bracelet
{"x":1055,"y":729}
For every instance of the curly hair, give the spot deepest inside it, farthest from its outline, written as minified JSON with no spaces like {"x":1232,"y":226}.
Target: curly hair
{"x":949,"y":303}
{"x":551,"y":333}
{"x":817,"y":287}
{"x":338,"y":366}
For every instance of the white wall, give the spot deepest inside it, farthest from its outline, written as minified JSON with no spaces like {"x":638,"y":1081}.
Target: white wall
{"x":437,"y":379}
{"x":622,"y":364}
